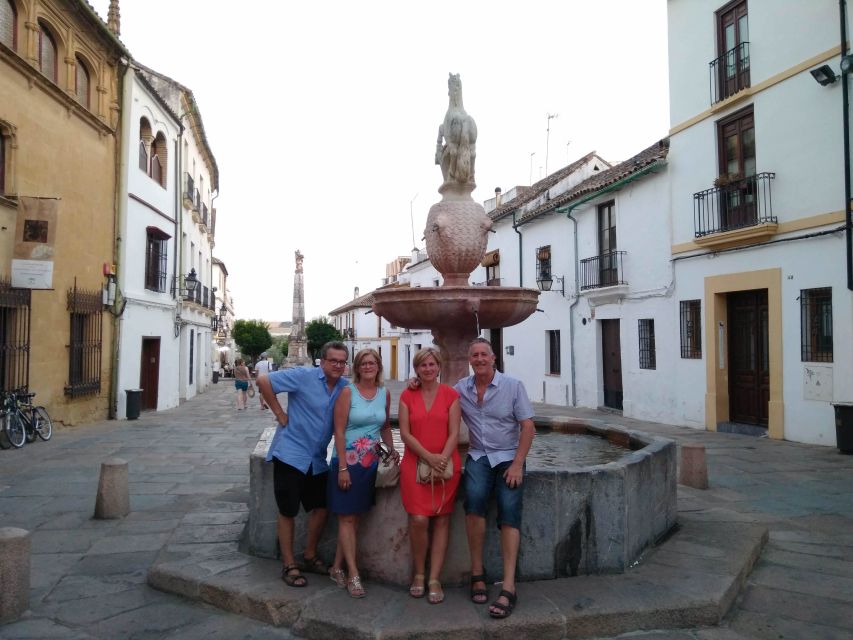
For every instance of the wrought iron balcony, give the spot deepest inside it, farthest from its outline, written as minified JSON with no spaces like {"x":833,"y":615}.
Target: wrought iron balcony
{"x":189,"y":190}
{"x":729,"y":73}
{"x":735,"y":203}
{"x":606,"y":270}
{"x":204,"y":219}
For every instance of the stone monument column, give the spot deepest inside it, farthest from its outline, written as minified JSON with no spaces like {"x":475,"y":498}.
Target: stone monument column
{"x":297,"y":345}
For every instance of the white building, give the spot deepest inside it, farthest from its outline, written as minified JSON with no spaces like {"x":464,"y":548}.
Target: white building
{"x":148,"y":347}
{"x":758,"y":211}
{"x":224,"y":349}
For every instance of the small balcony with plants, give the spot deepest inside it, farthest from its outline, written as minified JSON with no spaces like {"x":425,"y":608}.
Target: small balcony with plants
{"x":736,"y":210}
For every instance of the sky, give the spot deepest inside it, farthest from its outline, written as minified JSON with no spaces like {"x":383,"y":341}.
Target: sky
{"x":323,"y":116}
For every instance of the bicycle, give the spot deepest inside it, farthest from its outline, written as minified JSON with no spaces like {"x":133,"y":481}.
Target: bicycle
{"x":23,"y":421}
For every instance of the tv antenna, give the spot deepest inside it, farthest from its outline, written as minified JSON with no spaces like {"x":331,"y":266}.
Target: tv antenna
{"x":412,"y":219}
{"x":548,"y":117}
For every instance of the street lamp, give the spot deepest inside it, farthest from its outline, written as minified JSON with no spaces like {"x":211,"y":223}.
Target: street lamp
{"x":191,"y":282}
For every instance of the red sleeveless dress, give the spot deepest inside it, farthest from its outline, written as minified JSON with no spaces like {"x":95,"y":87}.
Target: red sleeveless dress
{"x":431,"y":430}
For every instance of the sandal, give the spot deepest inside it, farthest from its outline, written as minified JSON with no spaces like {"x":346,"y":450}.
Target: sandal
{"x":293,"y":579}
{"x":355,"y":589}
{"x":338,"y":577}
{"x":479,"y":596}
{"x":503,"y":610}
{"x":435,"y":596}
{"x":417,"y":591}
{"x":314,"y":565}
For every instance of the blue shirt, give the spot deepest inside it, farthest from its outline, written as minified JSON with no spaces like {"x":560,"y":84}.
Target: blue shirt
{"x":493,"y":427}
{"x":310,"y":410}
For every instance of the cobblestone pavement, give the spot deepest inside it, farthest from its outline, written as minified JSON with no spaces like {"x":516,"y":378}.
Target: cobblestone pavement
{"x":89,"y":577}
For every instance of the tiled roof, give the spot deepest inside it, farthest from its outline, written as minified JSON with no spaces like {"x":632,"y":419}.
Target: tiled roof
{"x":647,"y":157}
{"x":526,"y":194}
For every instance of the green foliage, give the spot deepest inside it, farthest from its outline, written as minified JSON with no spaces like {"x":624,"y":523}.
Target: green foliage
{"x":253,"y":338}
{"x":278,"y":350}
{"x":320,"y":331}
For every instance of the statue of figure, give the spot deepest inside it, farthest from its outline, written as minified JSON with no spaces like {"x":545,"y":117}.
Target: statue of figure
{"x":299,"y":258}
{"x":459,"y":133}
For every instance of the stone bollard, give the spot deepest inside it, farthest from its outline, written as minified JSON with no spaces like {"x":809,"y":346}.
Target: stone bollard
{"x":694,"y":470}
{"x":14,"y":573}
{"x":113,"y":499}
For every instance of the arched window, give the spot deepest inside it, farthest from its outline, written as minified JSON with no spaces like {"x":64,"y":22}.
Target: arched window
{"x":47,"y":53}
{"x":144,"y":141}
{"x":82,"y":82}
{"x":8,"y":24}
{"x":159,"y":160}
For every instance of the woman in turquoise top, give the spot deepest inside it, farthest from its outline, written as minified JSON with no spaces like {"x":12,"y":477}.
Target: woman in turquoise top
{"x":362,"y":418}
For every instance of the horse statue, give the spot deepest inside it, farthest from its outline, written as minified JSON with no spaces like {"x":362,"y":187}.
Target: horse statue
{"x":456,"y":147}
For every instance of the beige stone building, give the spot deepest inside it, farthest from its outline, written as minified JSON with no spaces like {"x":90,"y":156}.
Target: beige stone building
{"x":59,"y":105}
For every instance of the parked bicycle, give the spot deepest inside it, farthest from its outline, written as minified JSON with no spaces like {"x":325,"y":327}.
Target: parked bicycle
{"x":22,"y":421}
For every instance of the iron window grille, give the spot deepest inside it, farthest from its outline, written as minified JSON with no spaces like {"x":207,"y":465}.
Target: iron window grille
{"x":553,"y":351}
{"x":84,"y":350}
{"x":156,"y":261}
{"x":15,"y":305}
{"x":691,"y":328}
{"x":647,"y":344}
{"x":816,"y":324}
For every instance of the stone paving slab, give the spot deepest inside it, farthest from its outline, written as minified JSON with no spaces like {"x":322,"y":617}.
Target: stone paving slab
{"x":692,"y":580}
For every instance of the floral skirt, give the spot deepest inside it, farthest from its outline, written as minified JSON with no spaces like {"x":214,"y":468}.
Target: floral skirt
{"x":359,"y":498}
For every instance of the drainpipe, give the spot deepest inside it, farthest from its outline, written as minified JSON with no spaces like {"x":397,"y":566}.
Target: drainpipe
{"x":845,"y":107}
{"x":119,"y":228}
{"x":652,"y":168}
{"x":520,"y":272}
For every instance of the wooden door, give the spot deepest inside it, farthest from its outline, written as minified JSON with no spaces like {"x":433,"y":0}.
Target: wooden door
{"x":496,"y":340}
{"x":149,"y":376}
{"x":611,"y":357}
{"x":749,"y":362}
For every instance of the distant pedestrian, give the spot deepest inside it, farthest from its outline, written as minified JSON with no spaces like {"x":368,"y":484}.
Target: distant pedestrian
{"x":262,"y":367}
{"x":242,"y":380}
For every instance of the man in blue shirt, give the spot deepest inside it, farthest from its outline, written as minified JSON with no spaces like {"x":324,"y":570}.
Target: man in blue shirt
{"x":298,"y":450}
{"x":499,"y":416}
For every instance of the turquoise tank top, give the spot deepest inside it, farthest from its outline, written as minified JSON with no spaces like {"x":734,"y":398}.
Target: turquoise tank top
{"x":366,"y":418}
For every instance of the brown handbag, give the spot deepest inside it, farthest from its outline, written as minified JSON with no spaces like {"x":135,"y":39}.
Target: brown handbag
{"x":427,"y":475}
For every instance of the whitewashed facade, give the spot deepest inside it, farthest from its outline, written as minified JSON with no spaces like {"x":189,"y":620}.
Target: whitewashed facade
{"x":224,"y":349}
{"x":148,"y":346}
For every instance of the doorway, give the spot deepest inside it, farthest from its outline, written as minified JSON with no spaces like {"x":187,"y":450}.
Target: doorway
{"x":749,"y":359}
{"x":496,"y":341}
{"x":611,"y":360}
{"x":149,"y":376}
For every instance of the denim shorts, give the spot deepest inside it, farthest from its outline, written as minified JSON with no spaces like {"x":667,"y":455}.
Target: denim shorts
{"x":241,"y":385}
{"x":481,"y":480}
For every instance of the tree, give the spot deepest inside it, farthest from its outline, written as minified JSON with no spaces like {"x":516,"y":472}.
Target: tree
{"x":320,"y":331}
{"x":252,"y":336}
{"x":278,"y":350}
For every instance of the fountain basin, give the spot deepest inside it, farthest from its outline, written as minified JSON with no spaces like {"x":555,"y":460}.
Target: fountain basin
{"x":578,"y":519}
{"x":454,"y":306}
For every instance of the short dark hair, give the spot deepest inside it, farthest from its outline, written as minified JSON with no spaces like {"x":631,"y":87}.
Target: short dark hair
{"x":476,"y":341}
{"x":337,"y":345}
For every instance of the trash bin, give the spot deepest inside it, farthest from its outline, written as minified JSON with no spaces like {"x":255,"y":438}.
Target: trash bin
{"x":215,"y":377}
{"x":134,"y":403}
{"x":844,"y":426}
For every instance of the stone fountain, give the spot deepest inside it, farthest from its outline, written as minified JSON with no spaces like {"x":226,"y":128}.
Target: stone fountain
{"x":456,"y":236}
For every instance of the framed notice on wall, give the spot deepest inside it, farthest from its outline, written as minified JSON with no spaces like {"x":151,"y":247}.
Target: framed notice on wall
{"x":35,"y":241}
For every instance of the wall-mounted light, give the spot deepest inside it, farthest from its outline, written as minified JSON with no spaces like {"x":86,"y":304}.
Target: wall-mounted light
{"x":545,"y":282}
{"x":510,"y":350}
{"x":191,"y":281}
{"x":824,"y":75}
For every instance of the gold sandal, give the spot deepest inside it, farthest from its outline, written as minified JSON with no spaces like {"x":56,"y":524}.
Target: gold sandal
{"x":354,"y":588}
{"x":338,"y":577}
{"x":435,"y":596}
{"x":417,"y":591}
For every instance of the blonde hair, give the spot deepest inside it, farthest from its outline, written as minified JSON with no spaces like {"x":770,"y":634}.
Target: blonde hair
{"x":425,"y":353}
{"x":356,"y":364}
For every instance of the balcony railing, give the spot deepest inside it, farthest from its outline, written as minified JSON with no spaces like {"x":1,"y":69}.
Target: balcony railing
{"x":189,"y":188}
{"x":743,"y":202}
{"x":729,"y":73}
{"x":204,"y":294}
{"x":204,"y":214}
{"x":196,"y":200}
{"x":606,"y":270}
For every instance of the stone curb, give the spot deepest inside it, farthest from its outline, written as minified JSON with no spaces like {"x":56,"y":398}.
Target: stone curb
{"x":691,"y":580}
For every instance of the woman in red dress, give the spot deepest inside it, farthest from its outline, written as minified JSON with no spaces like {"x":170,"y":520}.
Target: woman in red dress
{"x":429,"y":426}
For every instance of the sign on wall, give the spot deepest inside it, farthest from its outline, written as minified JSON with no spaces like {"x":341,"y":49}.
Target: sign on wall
{"x":35,"y":240}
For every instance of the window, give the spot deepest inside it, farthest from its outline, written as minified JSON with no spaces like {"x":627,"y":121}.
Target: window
{"x":736,"y":137}
{"x":8,"y":24}
{"x":84,"y":349}
{"x":81,"y":82}
{"x":15,"y":307}
{"x":7,"y":140}
{"x":2,"y":161}
{"x":816,"y":324}
{"x":608,"y":270}
{"x":156,"y":253}
{"x":553,"y":351}
{"x":543,"y":264}
{"x":732,"y":64}
{"x":192,"y":354}
{"x":691,"y":328}
{"x":159,"y":160}
{"x":647,"y":344}
{"x":145,"y":138}
{"x":47,"y":53}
